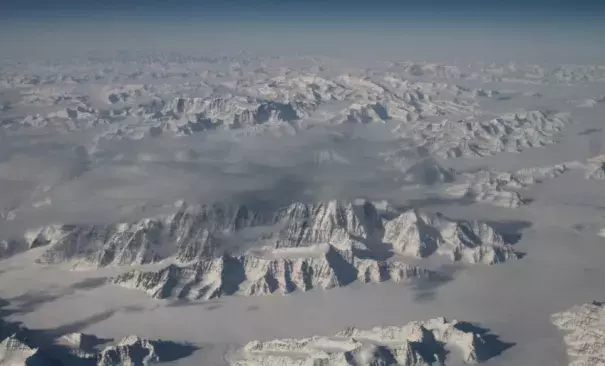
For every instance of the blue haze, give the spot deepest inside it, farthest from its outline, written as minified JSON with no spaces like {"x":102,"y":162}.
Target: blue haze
{"x":466,"y":30}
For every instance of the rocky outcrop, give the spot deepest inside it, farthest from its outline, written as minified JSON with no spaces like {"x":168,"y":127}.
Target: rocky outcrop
{"x":83,"y":346}
{"x":234,"y":112}
{"x":421,"y":235}
{"x":341,"y":224}
{"x":13,"y":352}
{"x":325,"y":246}
{"x":249,"y":275}
{"x":502,"y":188}
{"x":187,"y":235}
{"x":234,"y":98}
{"x":130,"y":351}
{"x":201,"y":232}
{"x":508,"y":133}
{"x":595,"y":168}
{"x":363,"y":113}
{"x":435,"y":341}
{"x":34,"y":347}
{"x":583,"y":333}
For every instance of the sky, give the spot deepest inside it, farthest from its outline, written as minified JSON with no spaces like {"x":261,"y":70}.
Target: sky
{"x":293,"y":8}
{"x":536,"y":30}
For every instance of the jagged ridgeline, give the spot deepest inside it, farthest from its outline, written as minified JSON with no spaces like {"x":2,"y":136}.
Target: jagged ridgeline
{"x":441,"y":119}
{"x":224,"y":249}
{"x":23,"y":346}
{"x":431,"y":342}
{"x":419,"y":343}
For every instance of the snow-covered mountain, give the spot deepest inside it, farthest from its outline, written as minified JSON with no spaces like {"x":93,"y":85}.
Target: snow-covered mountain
{"x":502,"y":188}
{"x":217,"y":250}
{"x":201,"y":232}
{"x":583,"y":333}
{"x":421,"y":235}
{"x":31,"y":347}
{"x":234,"y":112}
{"x":475,"y":137}
{"x":131,"y":350}
{"x":595,"y":167}
{"x":248,"y":275}
{"x":98,"y":154}
{"x":13,"y":352}
{"x":442,"y":117}
{"x":505,"y":189}
{"x":435,"y":341}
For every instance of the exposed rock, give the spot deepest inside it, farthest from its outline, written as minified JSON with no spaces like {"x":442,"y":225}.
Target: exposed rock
{"x":337,"y":223}
{"x":510,"y":132}
{"x":13,"y":352}
{"x":130,"y":351}
{"x":250,"y":276}
{"x":235,"y":112}
{"x":201,"y":233}
{"x":504,"y":189}
{"x":595,"y":168}
{"x":79,"y":345}
{"x":436,"y":341}
{"x":363,"y":113}
{"x":36,"y":348}
{"x":421,"y":235}
{"x":185,"y":234}
{"x":584,"y":333}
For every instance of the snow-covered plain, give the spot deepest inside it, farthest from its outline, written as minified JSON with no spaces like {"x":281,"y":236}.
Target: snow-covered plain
{"x":244,"y":210}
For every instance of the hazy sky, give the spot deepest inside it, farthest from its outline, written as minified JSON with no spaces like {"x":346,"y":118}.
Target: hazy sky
{"x":532,"y":30}
{"x":29,"y":8}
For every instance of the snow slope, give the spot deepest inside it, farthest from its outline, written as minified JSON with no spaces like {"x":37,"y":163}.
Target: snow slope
{"x":80,"y":349}
{"x":584,"y":334}
{"x":417,"y":343}
{"x":298,"y":247}
{"x":265,"y":157}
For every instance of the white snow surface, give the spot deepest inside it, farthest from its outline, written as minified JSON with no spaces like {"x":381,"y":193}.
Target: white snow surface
{"x":584,"y":328}
{"x":417,"y":343}
{"x":250,"y":276}
{"x":34,"y":347}
{"x":172,"y":196}
{"x":198,"y":232}
{"x":14,"y":353}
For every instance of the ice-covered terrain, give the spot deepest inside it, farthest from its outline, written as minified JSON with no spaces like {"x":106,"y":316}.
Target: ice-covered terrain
{"x":417,"y":343}
{"x":23,"y":346}
{"x":248,"y":276}
{"x":584,"y":328}
{"x":202,"y":231}
{"x":177,"y":197}
{"x":299,"y":247}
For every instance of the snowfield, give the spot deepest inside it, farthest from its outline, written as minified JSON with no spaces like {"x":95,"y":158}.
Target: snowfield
{"x":230,"y":210}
